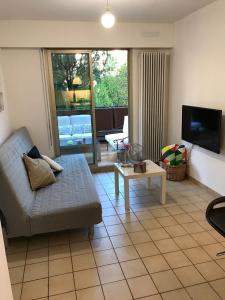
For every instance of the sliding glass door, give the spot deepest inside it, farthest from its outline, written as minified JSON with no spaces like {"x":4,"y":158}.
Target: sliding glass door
{"x":72,"y":106}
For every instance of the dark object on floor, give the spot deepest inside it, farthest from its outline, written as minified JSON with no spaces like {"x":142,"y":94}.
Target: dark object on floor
{"x":216,"y":217}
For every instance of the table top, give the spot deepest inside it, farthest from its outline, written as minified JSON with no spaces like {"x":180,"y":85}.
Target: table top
{"x":152,"y":169}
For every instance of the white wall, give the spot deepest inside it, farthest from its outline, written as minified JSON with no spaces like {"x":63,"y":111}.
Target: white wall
{"x":198,"y":78}
{"x":25,"y":93}
{"x":26,"y":98}
{"x":5,"y":127}
{"x":5,"y":285}
{"x":83,"y":34}
{"x":22,"y":68}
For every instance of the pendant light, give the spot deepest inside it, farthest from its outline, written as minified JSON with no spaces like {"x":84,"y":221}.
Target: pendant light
{"x":108,"y":19}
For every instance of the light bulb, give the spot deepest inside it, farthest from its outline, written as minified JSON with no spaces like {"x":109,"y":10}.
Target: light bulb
{"x":108,"y":19}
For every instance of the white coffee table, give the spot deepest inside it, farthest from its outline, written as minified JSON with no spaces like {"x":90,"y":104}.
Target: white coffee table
{"x":128,"y":173}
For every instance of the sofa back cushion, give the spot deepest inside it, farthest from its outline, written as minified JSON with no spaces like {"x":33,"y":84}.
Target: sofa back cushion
{"x":80,"y":119}
{"x":63,"y":120}
{"x":64,"y":125}
{"x":16,"y":195}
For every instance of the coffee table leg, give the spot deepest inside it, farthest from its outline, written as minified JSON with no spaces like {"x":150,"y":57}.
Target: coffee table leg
{"x":126,"y":194}
{"x":163,"y":189}
{"x":116,"y":176}
{"x":148,"y":183}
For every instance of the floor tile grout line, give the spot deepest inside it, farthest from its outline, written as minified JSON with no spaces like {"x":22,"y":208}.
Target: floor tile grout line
{"x":97,"y":269}
{"x":206,"y":281}
{"x":163,"y":256}
{"x":123,"y":274}
{"x":216,"y":242}
{"x":189,"y":260}
{"x":204,"y":230}
{"x":120,"y":234}
{"x":142,"y":262}
{"x":21,"y":292}
{"x":209,"y":283}
{"x":71,"y":260}
{"x":48,"y":268}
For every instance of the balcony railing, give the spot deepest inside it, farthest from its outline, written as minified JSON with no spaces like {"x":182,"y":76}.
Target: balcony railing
{"x":108,"y":120}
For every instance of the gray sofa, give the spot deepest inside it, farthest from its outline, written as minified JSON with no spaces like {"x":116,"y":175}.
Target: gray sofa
{"x":71,"y":202}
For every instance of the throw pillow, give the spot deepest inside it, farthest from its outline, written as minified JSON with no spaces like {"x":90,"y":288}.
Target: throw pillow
{"x":181,"y":154}
{"x":39,"y":172}
{"x":168,"y":155}
{"x":34,"y":153}
{"x":53,"y":164}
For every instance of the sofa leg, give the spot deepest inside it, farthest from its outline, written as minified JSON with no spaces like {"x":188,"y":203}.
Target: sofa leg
{"x":5,"y":237}
{"x":91,"y":231}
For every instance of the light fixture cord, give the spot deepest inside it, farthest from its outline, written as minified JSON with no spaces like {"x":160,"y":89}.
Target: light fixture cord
{"x":107,"y":5}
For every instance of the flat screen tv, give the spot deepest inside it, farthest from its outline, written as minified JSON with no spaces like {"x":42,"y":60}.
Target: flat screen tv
{"x":202,"y":126}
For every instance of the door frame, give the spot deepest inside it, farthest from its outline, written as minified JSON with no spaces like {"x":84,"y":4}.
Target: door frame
{"x":53,"y":113}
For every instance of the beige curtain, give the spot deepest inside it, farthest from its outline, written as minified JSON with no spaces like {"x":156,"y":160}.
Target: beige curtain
{"x":154,"y":77}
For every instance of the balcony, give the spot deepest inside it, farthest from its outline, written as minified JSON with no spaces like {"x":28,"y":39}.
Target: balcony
{"x":75,"y":130}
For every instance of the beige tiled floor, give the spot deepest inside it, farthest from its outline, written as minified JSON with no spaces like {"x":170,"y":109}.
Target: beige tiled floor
{"x":151,"y":252}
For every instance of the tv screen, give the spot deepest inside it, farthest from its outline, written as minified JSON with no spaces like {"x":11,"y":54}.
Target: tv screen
{"x":201,"y":126}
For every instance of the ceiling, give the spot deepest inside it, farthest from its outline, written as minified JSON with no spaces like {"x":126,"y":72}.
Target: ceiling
{"x":90,"y":10}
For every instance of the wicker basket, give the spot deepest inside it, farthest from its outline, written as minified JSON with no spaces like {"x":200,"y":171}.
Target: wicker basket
{"x":175,"y":173}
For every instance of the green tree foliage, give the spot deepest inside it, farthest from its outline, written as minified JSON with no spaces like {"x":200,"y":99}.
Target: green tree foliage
{"x":111,"y":83}
{"x":66,"y":67}
{"x":100,"y":62}
{"x":112,"y":90}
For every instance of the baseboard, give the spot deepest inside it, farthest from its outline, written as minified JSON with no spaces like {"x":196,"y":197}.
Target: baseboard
{"x":211,"y":191}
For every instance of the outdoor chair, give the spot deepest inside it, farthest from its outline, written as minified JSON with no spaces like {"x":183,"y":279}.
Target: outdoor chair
{"x":216,"y":216}
{"x":117,"y":140}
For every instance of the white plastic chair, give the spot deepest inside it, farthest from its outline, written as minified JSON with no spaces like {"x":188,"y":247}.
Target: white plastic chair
{"x":117,"y":140}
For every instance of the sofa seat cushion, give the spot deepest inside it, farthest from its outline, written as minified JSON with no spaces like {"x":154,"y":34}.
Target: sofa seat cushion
{"x":65,"y":140}
{"x":82,"y":136}
{"x":71,"y":202}
{"x":65,"y":137}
